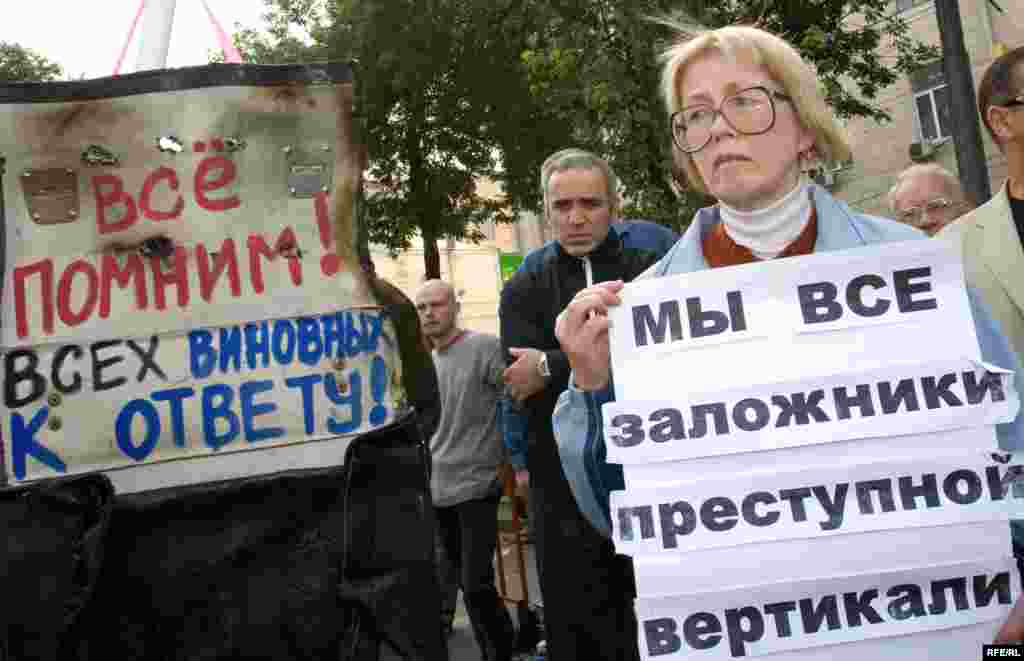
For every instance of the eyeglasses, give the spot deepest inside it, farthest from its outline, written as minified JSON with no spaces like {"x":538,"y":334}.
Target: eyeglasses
{"x":917,"y":216}
{"x":750,"y":111}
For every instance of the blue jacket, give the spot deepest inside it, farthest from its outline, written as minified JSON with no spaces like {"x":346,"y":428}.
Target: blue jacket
{"x":577,"y":417}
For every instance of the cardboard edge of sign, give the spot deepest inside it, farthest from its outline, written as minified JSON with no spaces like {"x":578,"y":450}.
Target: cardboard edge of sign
{"x":185,"y":78}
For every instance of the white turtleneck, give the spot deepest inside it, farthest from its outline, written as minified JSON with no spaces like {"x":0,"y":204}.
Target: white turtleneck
{"x":769,"y":231}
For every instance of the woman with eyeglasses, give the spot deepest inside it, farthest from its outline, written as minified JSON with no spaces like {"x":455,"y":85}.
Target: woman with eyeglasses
{"x":746,"y":120}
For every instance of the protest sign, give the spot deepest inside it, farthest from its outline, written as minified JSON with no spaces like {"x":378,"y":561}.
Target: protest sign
{"x":184,"y":300}
{"x":162,"y":212}
{"x":828,"y":454}
{"x":774,"y":618}
{"x":211,"y":392}
{"x":819,"y":425}
{"x":810,"y":503}
{"x":667,"y":574}
{"x":907,"y":399}
{"x":783,"y":320}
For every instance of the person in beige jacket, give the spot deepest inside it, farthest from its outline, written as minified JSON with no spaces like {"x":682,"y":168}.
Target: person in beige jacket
{"x":991,"y":234}
{"x":991,"y":238}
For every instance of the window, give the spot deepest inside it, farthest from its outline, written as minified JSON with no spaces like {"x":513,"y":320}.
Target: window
{"x":904,"y":5}
{"x":933,"y":116}
{"x":931,"y":103}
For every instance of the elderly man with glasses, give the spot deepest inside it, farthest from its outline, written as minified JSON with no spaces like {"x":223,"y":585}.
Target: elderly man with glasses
{"x":991,"y":234}
{"x":927,"y":197}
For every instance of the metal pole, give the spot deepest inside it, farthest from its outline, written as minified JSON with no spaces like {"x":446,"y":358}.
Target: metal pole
{"x":970,"y":153}
{"x":155,"y":35}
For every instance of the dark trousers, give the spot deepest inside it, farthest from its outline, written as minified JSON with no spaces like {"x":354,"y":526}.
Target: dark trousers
{"x":448,"y":579}
{"x":469,"y":533}
{"x":588,"y":590}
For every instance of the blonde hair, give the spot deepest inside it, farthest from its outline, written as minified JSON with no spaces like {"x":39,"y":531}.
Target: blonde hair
{"x":948,"y":179}
{"x":783,"y":63}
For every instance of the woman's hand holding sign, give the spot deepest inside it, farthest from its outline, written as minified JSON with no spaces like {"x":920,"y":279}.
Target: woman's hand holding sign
{"x":582,"y":330}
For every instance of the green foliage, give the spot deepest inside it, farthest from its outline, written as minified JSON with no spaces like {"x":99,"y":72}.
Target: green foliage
{"x":438,"y":82}
{"x":291,"y":33}
{"x":841,"y":39}
{"x":22,"y":64}
{"x":598,"y":62}
{"x":454,"y":90}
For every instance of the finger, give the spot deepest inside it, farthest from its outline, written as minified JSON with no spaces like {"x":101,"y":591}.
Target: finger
{"x":583,"y":307}
{"x":593,"y":336}
{"x":583,"y":336}
{"x":595,"y":330}
{"x":514,"y":379}
{"x":605,"y":296}
{"x":521,"y":356}
{"x":569,"y":322}
{"x":611,"y":285}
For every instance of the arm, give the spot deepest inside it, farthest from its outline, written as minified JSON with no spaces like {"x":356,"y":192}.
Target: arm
{"x":579,"y":431}
{"x":581,"y":446}
{"x":996,"y":350}
{"x":523,"y":335}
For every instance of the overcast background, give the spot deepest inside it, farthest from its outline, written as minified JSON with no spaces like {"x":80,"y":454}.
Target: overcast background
{"x":86,"y":36}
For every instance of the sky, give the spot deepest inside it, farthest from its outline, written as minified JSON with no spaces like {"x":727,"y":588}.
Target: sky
{"x":86,"y":36}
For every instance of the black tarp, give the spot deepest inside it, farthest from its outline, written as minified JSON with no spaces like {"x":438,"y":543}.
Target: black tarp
{"x":316,"y":564}
{"x":49,"y":562}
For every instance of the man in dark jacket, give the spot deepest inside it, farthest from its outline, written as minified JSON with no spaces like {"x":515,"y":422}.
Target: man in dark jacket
{"x":587,"y":590}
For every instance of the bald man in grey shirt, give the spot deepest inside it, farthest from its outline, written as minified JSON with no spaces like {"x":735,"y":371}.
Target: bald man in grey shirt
{"x":466,"y":451}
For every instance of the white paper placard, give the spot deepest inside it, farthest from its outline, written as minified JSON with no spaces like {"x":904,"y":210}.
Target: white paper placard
{"x":211,"y":404}
{"x":725,"y":513}
{"x":665,"y":574}
{"x":908,"y":399}
{"x":812,"y":503}
{"x":953,"y":443}
{"x":773,"y":342}
{"x":824,"y":612}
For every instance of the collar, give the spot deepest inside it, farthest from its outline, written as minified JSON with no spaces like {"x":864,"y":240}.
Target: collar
{"x":769,"y":231}
{"x":836,"y":228}
{"x":1000,"y":209}
{"x":720,"y":249}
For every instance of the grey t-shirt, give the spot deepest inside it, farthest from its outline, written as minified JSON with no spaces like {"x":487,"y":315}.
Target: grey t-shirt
{"x":467,"y":447}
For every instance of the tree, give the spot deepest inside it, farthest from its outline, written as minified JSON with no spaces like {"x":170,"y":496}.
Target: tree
{"x":451,"y":91}
{"x":597,"y":61}
{"x":292,"y":30}
{"x":22,"y":64}
{"x":437,"y":83}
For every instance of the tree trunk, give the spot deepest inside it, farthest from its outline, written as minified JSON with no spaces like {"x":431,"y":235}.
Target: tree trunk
{"x":431,"y":255}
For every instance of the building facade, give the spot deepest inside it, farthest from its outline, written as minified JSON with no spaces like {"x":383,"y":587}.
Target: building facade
{"x":920,"y":129}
